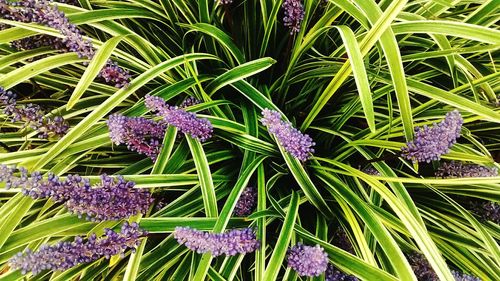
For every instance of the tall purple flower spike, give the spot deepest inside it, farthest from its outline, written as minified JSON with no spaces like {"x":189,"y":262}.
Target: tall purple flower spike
{"x":111,"y":199}
{"x":139,"y":134}
{"x":32,"y":115}
{"x":247,"y":202}
{"x":186,"y":122}
{"x":42,"y":12}
{"x":460,"y":170}
{"x":421,"y":267}
{"x":432,"y":142}
{"x":230,"y":243}
{"x":65,"y":255}
{"x":307,"y":260}
{"x":294,"y":14}
{"x":297,"y":144}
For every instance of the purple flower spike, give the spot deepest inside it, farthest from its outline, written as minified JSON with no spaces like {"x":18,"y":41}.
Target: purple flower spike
{"x":111,"y":199}
{"x":297,"y":144}
{"x":421,"y":267}
{"x":459,"y":276}
{"x":432,"y":142}
{"x":65,"y":255}
{"x":486,"y":210}
{"x":230,"y":243}
{"x":190,"y":101}
{"x":333,"y":274}
{"x":186,"y":122}
{"x":112,"y":73}
{"x":459,"y":170}
{"x":247,"y":202}
{"x":294,"y":14}
{"x":307,"y":260}
{"x":139,"y":134}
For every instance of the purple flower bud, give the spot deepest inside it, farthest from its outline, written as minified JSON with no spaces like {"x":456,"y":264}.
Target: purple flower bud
{"x":112,"y":73}
{"x":333,"y":274}
{"x":307,"y":260}
{"x":294,"y":14}
{"x":247,"y":202}
{"x":230,"y":243}
{"x":139,"y":134}
{"x":459,"y":170}
{"x":432,"y":142}
{"x":65,"y":255}
{"x":421,"y":267}
{"x":33,"y":116}
{"x":297,"y":144}
{"x":186,"y":122}
{"x":459,"y":276}
{"x":111,"y":199}
{"x":371,"y":171}
{"x":341,"y":240}
{"x":190,"y":101}
{"x":486,"y":210}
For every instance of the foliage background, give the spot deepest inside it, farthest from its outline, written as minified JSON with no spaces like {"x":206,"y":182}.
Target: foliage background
{"x":358,"y":77}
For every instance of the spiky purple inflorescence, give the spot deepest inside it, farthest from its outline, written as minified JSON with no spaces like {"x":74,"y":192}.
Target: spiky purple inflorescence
{"x":65,"y":255}
{"x":230,"y":243}
{"x":459,"y":276}
{"x":186,"y":122}
{"x":42,"y":12}
{"x":139,"y":134}
{"x":460,"y":170}
{"x":333,"y":274}
{"x":307,"y":260}
{"x":432,"y":142}
{"x":32,"y":115}
{"x":486,"y":210}
{"x":297,"y":144}
{"x":189,"y":101}
{"x":247,"y":202}
{"x":111,"y":199}
{"x":294,"y":14}
{"x":421,"y":267}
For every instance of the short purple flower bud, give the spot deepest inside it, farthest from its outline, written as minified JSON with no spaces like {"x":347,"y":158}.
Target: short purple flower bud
{"x":294,"y":14}
{"x":297,"y":144}
{"x":307,"y":260}
{"x":432,"y":142}
{"x":247,"y":202}
{"x":186,"y":122}
{"x":421,"y":267}
{"x":460,"y":170}
{"x":459,"y":276}
{"x":486,"y":210}
{"x":190,"y":101}
{"x":333,"y":274}
{"x":229,"y":243}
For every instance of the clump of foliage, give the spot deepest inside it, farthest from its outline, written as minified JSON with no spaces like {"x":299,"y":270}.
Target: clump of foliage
{"x":249,"y":140}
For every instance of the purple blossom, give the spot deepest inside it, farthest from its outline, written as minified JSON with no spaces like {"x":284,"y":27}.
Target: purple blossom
{"x":294,"y":14}
{"x":189,"y":101}
{"x":139,"y":134}
{"x":307,"y":260}
{"x":42,"y":12}
{"x":333,"y":274}
{"x":111,"y":199}
{"x":459,"y":276}
{"x":297,"y":144}
{"x":186,"y":122}
{"x":421,"y":267}
{"x":247,"y":202}
{"x":33,"y":116}
{"x":486,"y":210}
{"x":65,"y":255}
{"x":460,"y":170}
{"x":230,"y":243}
{"x":371,"y":171}
{"x":432,"y":142}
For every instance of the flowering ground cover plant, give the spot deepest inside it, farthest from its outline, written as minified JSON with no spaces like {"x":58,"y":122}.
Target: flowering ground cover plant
{"x":249,"y":140}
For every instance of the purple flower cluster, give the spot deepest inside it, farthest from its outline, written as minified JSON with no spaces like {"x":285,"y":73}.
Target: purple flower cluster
{"x":459,"y":170}
{"x":432,"y":142}
{"x":371,"y":171}
{"x":186,"y":122}
{"x":32,"y":115}
{"x":294,"y":14}
{"x":139,"y":134}
{"x":230,"y":243}
{"x":65,"y":255}
{"x":307,"y":260}
{"x":486,"y":210}
{"x":459,"y":276}
{"x":42,"y":12}
{"x":297,"y":144}
{"x":421,"y":267}
{"x":190,"y":101}
{"x":247,"y":202}
{"x":333,"y":274}
{"x":111,"y":199}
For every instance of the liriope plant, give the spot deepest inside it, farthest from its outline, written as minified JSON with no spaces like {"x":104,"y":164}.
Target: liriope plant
{"x":249,"y":140}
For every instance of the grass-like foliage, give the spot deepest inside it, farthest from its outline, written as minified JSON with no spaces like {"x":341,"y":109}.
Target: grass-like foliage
{"x":249,"y":140}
